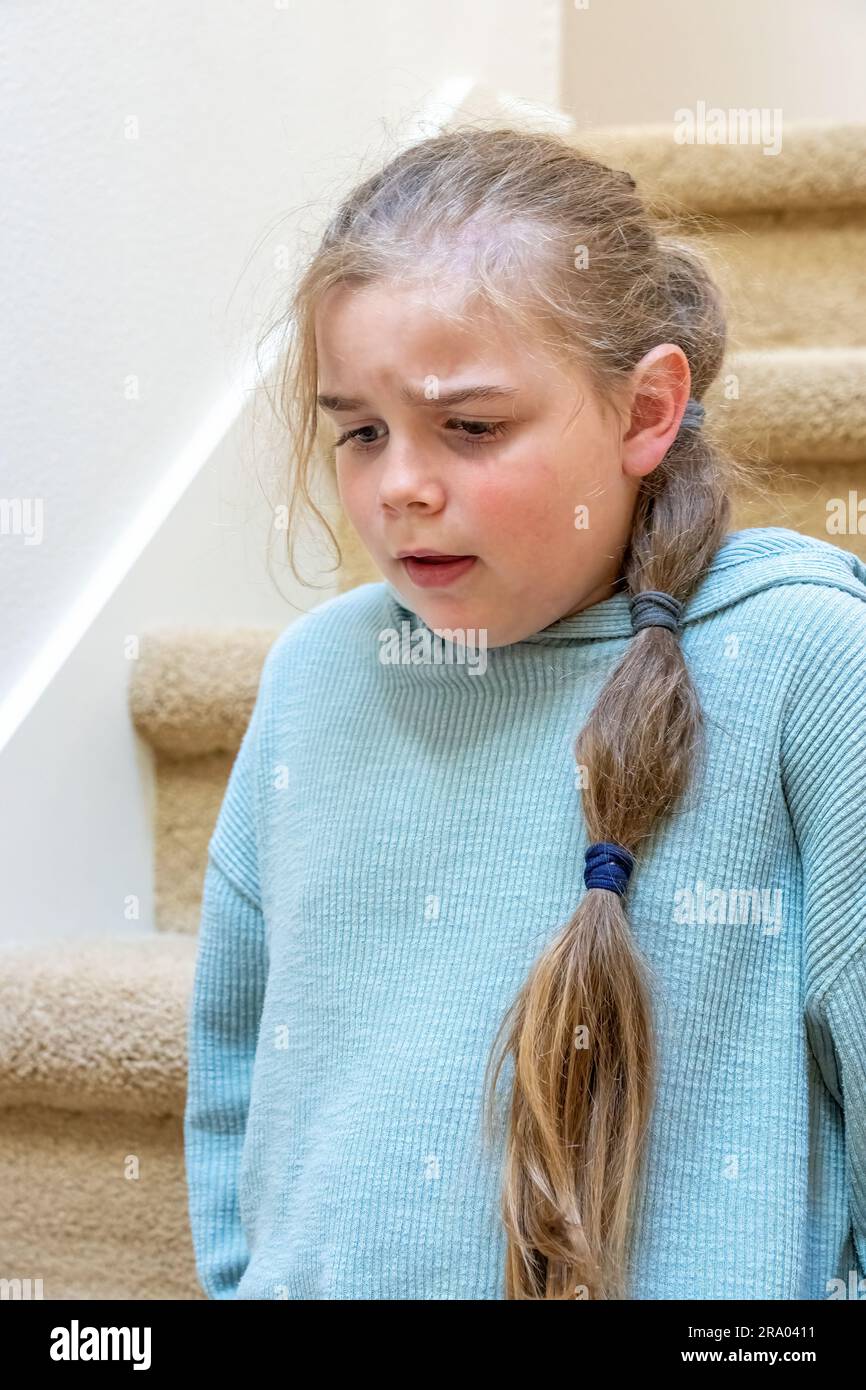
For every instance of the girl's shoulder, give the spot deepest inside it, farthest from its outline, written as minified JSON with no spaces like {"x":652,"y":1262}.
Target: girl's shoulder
{"x":786,"y":613}
{"x":783,"y":583}
{"x":339,"y":623}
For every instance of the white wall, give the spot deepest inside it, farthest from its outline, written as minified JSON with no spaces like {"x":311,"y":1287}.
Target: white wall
{"x":630,"y":62}
{"x":152,"y":154}
{"x":159,"y":161}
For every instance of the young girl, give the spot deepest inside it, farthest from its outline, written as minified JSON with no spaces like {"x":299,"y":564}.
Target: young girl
{"x":532,"y":958}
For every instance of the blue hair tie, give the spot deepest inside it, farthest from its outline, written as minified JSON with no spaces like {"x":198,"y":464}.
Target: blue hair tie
{"x":693,"y":415}
{"x":653,"y":608}
{"x":608,"y":865}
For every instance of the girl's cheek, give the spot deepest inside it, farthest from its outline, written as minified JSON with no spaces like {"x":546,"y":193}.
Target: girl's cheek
{"x":524,"y":504}
{"x":355,"y":496}
{"x":518,"y":519}
{"x":495,"y":506}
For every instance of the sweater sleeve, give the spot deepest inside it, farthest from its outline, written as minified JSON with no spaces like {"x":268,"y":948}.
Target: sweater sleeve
{"x":223,"y":1026}
{"x":844,"y":1009}
{"x":225,"y":1013}
{"x":822,"y":761}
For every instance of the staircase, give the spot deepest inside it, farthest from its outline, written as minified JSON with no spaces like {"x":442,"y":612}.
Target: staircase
{"x":92,"y":1034}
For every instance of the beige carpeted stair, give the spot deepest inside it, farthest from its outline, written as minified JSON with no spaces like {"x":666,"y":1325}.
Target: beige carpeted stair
{"x":92,"y":1040}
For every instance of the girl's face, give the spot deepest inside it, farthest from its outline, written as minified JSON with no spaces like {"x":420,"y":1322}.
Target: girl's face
{"x":521,"y":471}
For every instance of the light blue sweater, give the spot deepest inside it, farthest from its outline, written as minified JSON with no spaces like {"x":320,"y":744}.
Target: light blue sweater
{"x":396,"y":845}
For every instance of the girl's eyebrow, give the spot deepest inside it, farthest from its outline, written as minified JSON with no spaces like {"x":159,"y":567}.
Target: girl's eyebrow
{"x":415,"y":396}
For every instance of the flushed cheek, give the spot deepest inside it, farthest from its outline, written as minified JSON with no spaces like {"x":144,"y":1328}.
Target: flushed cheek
{"x":518,"y":522}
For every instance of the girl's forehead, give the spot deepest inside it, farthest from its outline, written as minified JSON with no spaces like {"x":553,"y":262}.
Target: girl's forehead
{"x":442,"y":323}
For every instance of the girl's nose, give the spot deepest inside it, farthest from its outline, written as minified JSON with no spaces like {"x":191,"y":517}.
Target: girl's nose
{"x":407,"y":477}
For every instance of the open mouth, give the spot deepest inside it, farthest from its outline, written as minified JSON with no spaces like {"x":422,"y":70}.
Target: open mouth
{"x":430,"y":570}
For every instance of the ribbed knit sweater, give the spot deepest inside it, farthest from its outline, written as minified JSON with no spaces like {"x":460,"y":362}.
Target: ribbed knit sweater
{"x":398,"y":842}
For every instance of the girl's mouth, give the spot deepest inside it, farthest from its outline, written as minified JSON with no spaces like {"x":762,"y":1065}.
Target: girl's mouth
{"x":437,"y":570}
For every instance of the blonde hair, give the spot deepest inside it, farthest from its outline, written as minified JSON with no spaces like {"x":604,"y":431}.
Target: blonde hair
{"x":564,"y":248}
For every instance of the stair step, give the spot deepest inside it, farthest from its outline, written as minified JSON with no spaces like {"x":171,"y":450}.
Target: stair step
{"x":804,"y":405}
{"x":93,"y":1073}
{"x":820,"y":165}
{"x":192,"y":690}
{"x":96,"y":1023}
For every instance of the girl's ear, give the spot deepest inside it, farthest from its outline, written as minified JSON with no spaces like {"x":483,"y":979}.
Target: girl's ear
{"x":662,"y":383}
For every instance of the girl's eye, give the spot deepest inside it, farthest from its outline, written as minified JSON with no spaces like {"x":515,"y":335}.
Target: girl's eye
{"x":351,"y":436}
{"x":492,"y":429}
